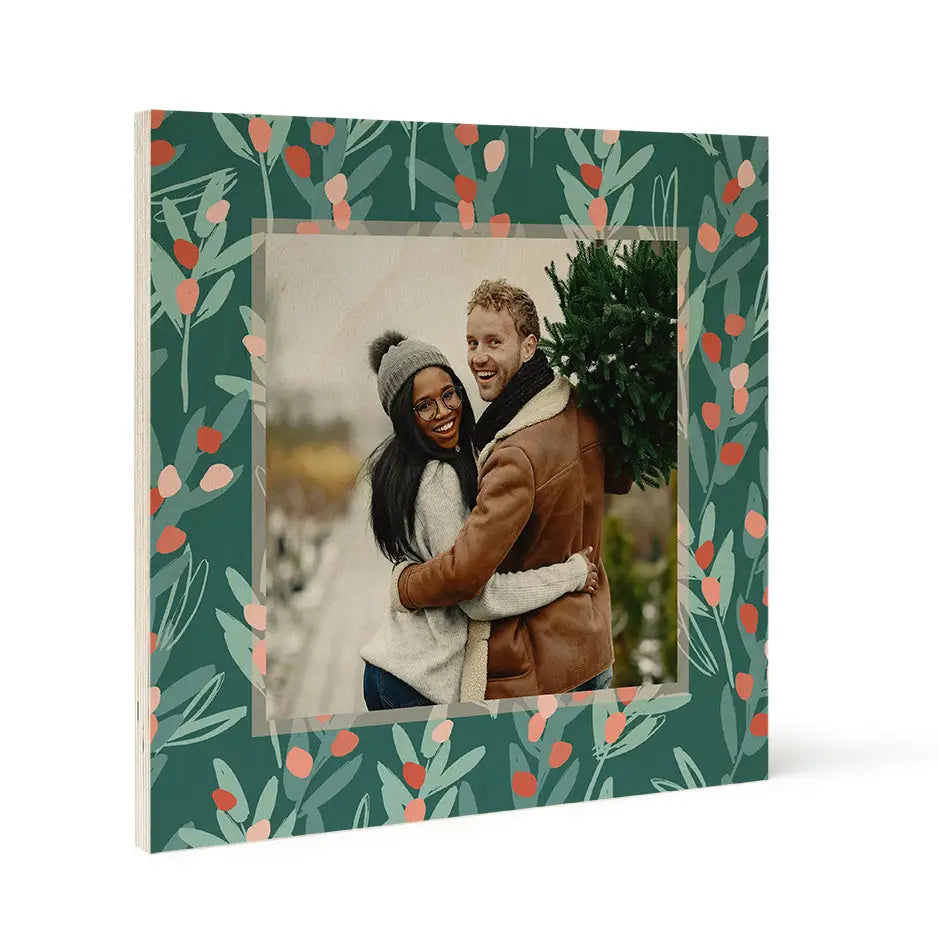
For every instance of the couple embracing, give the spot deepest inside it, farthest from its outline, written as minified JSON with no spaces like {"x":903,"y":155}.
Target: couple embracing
{"x":495,"y":526}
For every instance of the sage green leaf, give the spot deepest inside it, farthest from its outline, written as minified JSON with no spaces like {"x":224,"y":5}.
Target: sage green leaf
{"x":206,"y":727}
{"x":698,"y":452}
{"x":462,"y":766}
{"x":157,"y":360}
{"x":632,"y":167}
{"x":731,"y":300}
{"x":601,"y":711}
{"x":267,"y":801}
{"x":187,"y":450}
{"x":605,"y":790}
{"x":600,"y":147}
{"x":634,"y":738}
{"x":561,"y":791}
{"x":362,"y":812}
{"x":235,"y":385}
{"x":333,"y":784}
{"x":403,"y":745}
{"x":234,"y":254}
{"x":184,"y":689}
{"x":230,"y":415}
{"x":620,"y":213}
{"x":695,"y":317}
{"x":692,"y":775}
{"x":459,"y":154}
{"x":333,"y":156}
{"x":467,"y":801}
{"x":724,"y":569}
{"x":175,"y":224}
{"x":279,"y":128}
{"x":240,"y":588}
{"x":239,"y":640}
{"x":215,"y":297}
{"x":446,"y":212}
{"x":662,"y":784}
{"x":157,"y":764}
{"x":433,"y":179}
{"x":610,"y":168}
{"x":210,"y":250}
{"x":728,"y":722}
{"x":232,"y":138}
{"x":577,"y":148}
{"x":662,"y":703}
{"x":707,"y":524}
{"x":359,"y":210}
{"x":435,"y":769}
{"x":735,"y":262}
{"x":445,"y":805}
{"x":394,"y":794}
{"x":577,"y":195}
{"x":733,"y":153}
{"x":314,"y":822}
{"x":166,"y":277}
{"x":229,"y":829}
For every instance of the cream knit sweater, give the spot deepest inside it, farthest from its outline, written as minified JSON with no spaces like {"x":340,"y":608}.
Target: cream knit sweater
{"x":427,"y":648}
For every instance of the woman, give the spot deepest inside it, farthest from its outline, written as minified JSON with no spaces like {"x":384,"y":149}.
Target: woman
{"x":423,"y":481}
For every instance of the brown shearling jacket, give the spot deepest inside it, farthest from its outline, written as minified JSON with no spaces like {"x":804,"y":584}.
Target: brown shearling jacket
{"x":541,"y":498}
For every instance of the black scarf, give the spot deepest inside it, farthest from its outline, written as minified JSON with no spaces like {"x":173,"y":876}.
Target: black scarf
{"x":533,"y":376}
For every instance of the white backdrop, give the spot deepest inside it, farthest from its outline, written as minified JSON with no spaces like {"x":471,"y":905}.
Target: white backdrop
{"x":842,"y":838}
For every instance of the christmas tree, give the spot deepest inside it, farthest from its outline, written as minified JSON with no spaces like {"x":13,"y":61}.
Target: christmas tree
{"x":617,"y":343}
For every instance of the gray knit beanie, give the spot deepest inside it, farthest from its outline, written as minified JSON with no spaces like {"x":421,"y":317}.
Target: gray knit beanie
{"x":395,"y":358}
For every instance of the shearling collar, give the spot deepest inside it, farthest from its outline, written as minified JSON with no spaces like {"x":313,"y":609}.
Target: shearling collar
{"x":545,"y":404}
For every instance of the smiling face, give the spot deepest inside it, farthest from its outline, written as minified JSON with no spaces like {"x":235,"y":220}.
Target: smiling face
{"x":430,"y":384}
{"x":495,"y":351}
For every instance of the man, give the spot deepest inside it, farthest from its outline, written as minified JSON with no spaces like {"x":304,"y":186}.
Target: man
{"x":541,"y":485}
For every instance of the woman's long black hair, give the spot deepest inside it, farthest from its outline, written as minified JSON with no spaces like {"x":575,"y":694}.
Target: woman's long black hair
{"x":396,"y":467}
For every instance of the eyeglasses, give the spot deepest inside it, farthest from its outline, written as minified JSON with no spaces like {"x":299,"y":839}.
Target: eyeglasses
{"x":429,"y":409}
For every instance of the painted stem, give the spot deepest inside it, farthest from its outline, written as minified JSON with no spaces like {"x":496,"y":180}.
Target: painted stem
{"x":413,"y":167}
{"x":726,"y":648}
{"x":184,"y":365}
{"x":267,"y":200}
{"x":593,"y":780}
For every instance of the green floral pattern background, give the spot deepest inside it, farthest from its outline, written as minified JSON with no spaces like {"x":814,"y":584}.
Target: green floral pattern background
{"x":212,"y":174}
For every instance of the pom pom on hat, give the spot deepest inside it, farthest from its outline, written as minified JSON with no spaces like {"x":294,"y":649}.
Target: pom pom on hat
{"x":395,"y":358}
{"x":379,"y":347}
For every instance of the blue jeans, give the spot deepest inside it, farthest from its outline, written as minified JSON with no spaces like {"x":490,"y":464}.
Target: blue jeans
{"x":602,"y":681}
{"x":383,"y":691}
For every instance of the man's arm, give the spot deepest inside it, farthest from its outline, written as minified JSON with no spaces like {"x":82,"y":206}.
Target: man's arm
{"x":503,"y":506}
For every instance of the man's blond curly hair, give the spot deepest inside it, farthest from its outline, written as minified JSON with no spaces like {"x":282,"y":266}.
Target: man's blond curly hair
{"x":498,"y":295}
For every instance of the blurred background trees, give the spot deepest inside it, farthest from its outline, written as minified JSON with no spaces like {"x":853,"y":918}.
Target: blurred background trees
{"x":640,"y":557}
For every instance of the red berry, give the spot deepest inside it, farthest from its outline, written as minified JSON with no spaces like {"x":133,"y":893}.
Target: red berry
{"x":704,"y":555}
{"x":224,"y":800}
{"x":591,"y":175}
{"x":465,"y":188}
{"x":414,"y":775}
{"x":208,"y":439}
{"x":712,"y":346}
